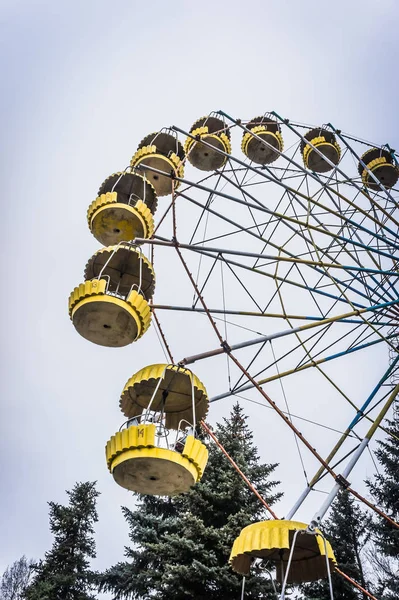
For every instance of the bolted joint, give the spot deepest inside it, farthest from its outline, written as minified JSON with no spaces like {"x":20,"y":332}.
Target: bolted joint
{"x":311,"y":528}
{"x":226,"y":347}
{"x":344,"y":483}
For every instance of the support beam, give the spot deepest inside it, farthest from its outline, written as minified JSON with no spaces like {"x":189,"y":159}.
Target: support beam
{"x":340,"y":482}
{"x":273,"y":258}
{"x":342,"y":439}
{"x":247,"y":313}
{"x":313,"y":363}
{"x":267,"y":338}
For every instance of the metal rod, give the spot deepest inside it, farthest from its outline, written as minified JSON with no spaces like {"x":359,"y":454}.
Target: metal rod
{"x":281,"y":414}
{"x":345,"y":473}
{"x":267,"y":338}
{"x":313,"y":363}
{"x":199,"y":295}
{"x":237,"y":468}
{"x":325,"y":186}
{"x":193,"y":401}
{"x":263,"y":393}
{"x":287,"y":570}
{"x":147,"y":412}
{"x":253,"y":269}
{"x":162,"y":334}
{"x":317,"y":269}
{"x":336,"y":167}
{"x":353,"y":582}
{"x":298,"y":222}
{"x":297,"y":165}
{"x":373,"y":507}
{"x":245,"y":372}
{"x":217,"y":192}
{"x":338,"y":134}
{"x":314,"y":523}
{"x":342,"y":439}
{"x":243,"y":588}
{"x":300,"y":261}
{"x":320,"y":223}
{"x":328,"y":567}
{"x":247,"y":313}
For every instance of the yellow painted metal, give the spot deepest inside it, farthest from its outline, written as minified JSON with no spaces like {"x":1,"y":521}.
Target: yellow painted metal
{"x":111,"y":221}
{"x":202,"y":132}
{"x":377,"y":166}
{"x":121,"y":264}
{"x":258,"y":152}
{"x":314,"y":161}
{"x":157,"y":453}
{"x":176,"y":381}
{"x":204,"y":157}
{"x":105,"y":319}
{"x":85,"y":290}
{"x":134,"y":437}
{"x":197,"y":453}
{"x":127,"y":185}
{"x":139,"y":466}
{"x":139,"y":437}
{"x":272,"y":540}
{"x":141,"y":306}
{"x":151,"y":157}
{"x":383,"y":412}
{"x":188,"y":144}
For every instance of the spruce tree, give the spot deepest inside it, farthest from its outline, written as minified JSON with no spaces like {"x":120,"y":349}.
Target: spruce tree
{"x":346,"y":531}
{"x":65,"y":571}
{"x":385,"y":491}
{"x":180,"y":546}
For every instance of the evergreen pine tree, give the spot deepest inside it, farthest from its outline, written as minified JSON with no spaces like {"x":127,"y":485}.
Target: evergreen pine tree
{"x":65,"y":571}
{"x":385,"y":491}
{"x":346,"y":531}
{"x":181,"y":545}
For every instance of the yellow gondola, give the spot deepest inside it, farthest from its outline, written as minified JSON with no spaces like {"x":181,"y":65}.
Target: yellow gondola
{"x":268,"y":130}
{"x":327,"y":148}
{"x":146,"y":456}
{"x":167,"y":388}
{"x":123,"y":209}
{"x":125,"y":267}
{"x":274,"y":540}
{"x":131,"y":187}
{"x":380,"y":163}
{"x":216,"y":135}
{"x":163,"y":152}
{"x":139,"y":465}
{"x":106,"y":319}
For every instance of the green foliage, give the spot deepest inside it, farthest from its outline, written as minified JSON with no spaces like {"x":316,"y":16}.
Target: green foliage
{"x":65,"y":571}
{"x":181,"y":546}
{"x":346,"y":531}
{"x":385,"y":491}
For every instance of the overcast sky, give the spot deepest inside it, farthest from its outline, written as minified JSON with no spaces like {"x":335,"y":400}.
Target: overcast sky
{"x":83,"y":82}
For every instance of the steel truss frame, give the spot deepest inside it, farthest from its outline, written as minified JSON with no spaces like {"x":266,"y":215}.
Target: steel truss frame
{"x":324,"y":237}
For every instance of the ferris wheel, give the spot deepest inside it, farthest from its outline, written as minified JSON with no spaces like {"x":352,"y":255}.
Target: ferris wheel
{"x":278,"y":242}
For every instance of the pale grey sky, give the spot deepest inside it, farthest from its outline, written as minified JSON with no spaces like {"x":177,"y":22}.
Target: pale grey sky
{"x":83,"y":82}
